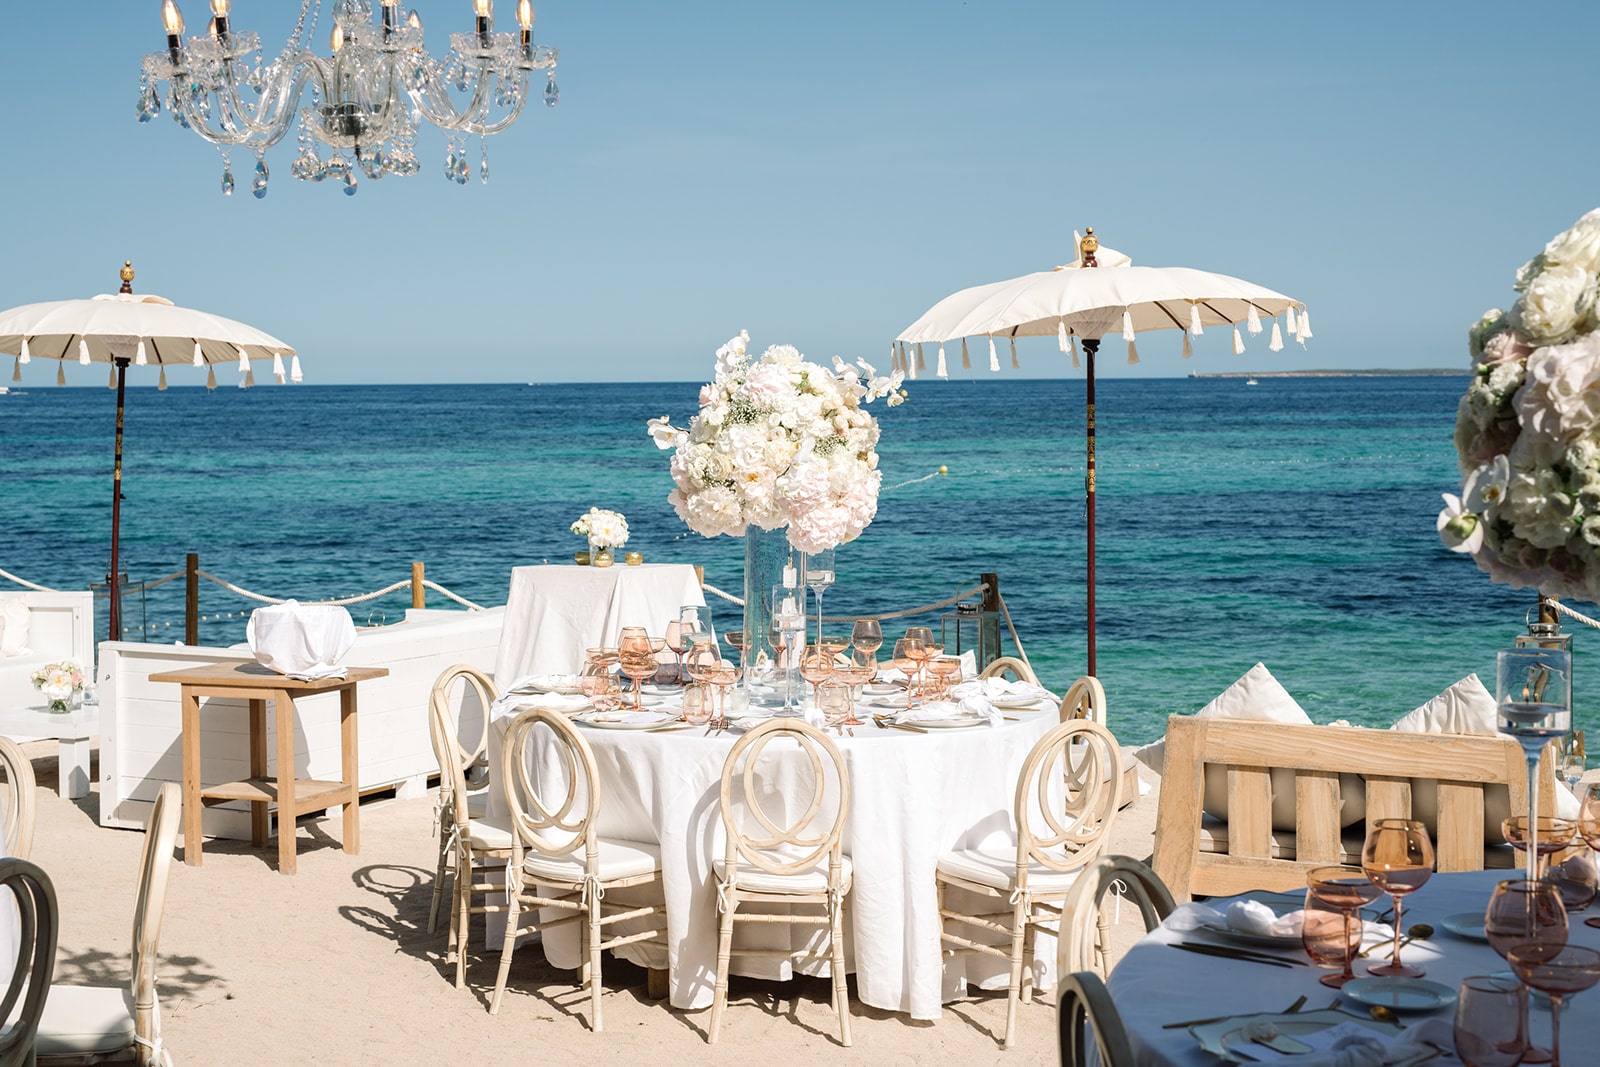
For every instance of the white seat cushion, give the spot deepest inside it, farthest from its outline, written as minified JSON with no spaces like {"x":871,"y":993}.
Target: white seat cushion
{"x":997,"y":867}
{"x":750,"y":877}
{"x":618,"y":859}
{"x":81,"y":1020}
{"x":489,"y":835}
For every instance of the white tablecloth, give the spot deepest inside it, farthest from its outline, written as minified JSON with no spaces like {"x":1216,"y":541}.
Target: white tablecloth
{"x":554,"y":613}
{"x":1155,"y":984}
{"x":914,"y":796}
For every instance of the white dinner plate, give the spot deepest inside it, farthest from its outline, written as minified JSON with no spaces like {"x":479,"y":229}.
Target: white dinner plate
{"x":962,"y":723}
{"x":1467,"y":924}
{"x":1225,"y":1038}
{"x":1011,"y":703}
{"x":1399,"y":994}
{"x":883,"y":689}
{"x":550,"y":683}
{"x":613,"y":724}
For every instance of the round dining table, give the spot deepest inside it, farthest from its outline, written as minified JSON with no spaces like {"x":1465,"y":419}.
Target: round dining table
{"x":913,"y":797}
{"x":1156,"y":984}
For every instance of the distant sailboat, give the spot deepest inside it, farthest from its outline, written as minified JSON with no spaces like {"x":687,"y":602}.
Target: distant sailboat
{"x":1251,"y":381}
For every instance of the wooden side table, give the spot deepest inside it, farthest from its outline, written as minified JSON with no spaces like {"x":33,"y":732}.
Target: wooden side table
{"x":294,"y":796}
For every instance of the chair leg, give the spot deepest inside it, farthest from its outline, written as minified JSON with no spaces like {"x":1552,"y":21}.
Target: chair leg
{"x":507,"y":947}
{"x":1030,"y":956}
{"x":1014,"y":990}
{"x":841,"y":992}
{"x":719,"y":1001}
{"x":595,"y":987}
{"x":438,"y":880}
{"x":461,"y":920}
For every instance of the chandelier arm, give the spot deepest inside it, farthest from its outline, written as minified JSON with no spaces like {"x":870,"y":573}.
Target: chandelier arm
{"x":276,"y":101}
{"x":505,"y":121}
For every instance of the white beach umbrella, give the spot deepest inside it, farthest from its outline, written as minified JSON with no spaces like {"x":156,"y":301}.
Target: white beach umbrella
{"x":122,"y":329}
{"x":1098,"y":294}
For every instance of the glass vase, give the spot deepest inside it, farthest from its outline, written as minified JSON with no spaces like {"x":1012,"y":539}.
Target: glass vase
{"x":599,"y":555}
{"x":767,"y":556}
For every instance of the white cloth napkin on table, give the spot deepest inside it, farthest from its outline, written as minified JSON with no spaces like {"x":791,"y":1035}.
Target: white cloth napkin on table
{"x":303,"y":641}
{"x":1001,"y":687}
{"x":1354,"y":1045}
{"x":510,"y":702}
{"x":1245,"y":916}
{"x":949,"y":709}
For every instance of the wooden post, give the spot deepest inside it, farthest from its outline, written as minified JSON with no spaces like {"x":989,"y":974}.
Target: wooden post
{"x":989,"y":606}
{"x":700,"y":575}
{"x":991,"y":595}
{"x":191,"y":599}
{"x":1547,"y":614}
{"x":419,"y":595}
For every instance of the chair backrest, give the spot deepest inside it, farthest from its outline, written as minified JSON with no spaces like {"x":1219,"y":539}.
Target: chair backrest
{"x":1085,"y":699}
{"x":447,"y":744}
{"x":1081,"y":946}
{"x":1017,"y":668}
{"x":801,"y":843}
{"x":37,"y":926}
{"x":559,"y":828}
{"x":1067,"y":796}
{"x":19,"y":799}
{"x":155,"y":864}
{"x":1465,"y":766}
{"x":1086,"y":1006}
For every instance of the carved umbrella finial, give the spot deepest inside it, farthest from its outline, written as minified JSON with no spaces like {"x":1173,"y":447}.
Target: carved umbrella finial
{"x":127,"y":277}
{"x":1088,"y":245}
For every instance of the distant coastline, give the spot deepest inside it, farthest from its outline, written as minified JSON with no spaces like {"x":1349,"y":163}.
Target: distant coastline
{"x":1377,"y":372}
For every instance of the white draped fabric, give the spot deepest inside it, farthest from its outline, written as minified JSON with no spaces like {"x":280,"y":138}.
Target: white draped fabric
{"x":914,"y":797}
{"x":554,"y":613}
{"x":1154,"y":984}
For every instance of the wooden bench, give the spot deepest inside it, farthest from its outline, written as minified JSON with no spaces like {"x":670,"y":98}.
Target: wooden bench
{"x":1197,"y":856}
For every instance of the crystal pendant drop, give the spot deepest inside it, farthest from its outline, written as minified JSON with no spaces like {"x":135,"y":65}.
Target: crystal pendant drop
{"x":463,"y":169}
{"x":149,"y":104}
{"x":450,"y":164}
{"x":336,"y":168}
{"x":306,"y":166}
{"x":483,"y":167}
{"x":227,"y":179}
{"x":375,"y":163}
{"x":349,"y":181}
{"x":552,"y":92}
{"x":258,"y":187}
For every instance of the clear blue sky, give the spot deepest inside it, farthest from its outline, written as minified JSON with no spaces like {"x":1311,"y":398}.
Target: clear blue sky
{"x":821,"y":173}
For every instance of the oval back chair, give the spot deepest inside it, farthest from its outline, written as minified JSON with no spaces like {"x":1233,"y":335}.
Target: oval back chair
{"x":19,"y":799}
{"x":1085,"y":928}
{"x":790,"y":861}
{"x":1085,"y":699}
{"x":1086,"y":1006}
{"x":38,"y":923}
{"x":1018,"y":669}
{"x":444,"y":724}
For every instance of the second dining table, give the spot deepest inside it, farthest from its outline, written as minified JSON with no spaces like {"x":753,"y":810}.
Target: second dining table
{"x":914,"y":796}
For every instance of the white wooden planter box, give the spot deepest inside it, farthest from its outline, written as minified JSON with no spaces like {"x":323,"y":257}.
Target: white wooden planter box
{"x":141,"y":729}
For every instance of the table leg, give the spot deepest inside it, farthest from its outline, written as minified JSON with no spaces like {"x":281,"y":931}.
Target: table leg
{"x":191,"y":777}
{"x":351,"y":770}
{"x":286,"y":797}
{"x":72,"y":767}
{"x":259,"y":817}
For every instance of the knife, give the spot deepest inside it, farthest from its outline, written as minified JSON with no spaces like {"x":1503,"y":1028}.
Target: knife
{"x":1236,"y":954}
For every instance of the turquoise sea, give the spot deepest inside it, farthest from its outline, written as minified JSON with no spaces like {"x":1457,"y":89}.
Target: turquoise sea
{"x":1290,"y":522}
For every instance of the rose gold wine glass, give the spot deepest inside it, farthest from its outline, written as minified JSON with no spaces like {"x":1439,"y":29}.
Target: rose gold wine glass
{"x":1555,"y":835}
{"x":908,"y":656}
{"x":1589,"y":828}
{"x":854,"y":676}
{"x":1557,"y":970}
{"x":1331,"y":932}
{"x":867,"y":637}
{"x":1491,"y":1021}
{"x":1398,"y":857}
{"x":816,"y":667}
{"x":697,"y":702}
{"x":946,"y":671}
{"x":1522,"y":912}
{"x":723,"y":675}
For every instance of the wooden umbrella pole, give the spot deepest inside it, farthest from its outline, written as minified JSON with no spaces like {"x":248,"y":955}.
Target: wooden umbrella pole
{"x":1090,"y":347}
{"x":113,"y":586}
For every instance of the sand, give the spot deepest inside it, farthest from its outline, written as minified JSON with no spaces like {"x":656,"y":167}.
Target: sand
{"x":334,"y":965}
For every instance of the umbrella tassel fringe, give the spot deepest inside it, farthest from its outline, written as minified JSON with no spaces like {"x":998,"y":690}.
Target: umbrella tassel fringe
{"x":277,"y":367}
{"x":1195,"y":327}
{"x":1303,"y":327}
{"x":199,"y":357}
{"x":161,"y":386}
{"x":294,"y":370}
{"x":16,"y":370}
{"x":1253,"y":324}
{"x":1075,"y":350}
{"x":943,"y":371}
{"x":26,"y":356}
{"x":1133,"y":354}
{"x":1188,"y":346}
{"x":1276,"y":344}
{"x":966,"y":360}
{"x":1061,"y":335}
{"x":1127,"y":326}
{"x":1014,"y":364}
{"x":61,"y":374}
{"x":922,"y":364}
{"x":83,"y":353}
{"x":211,"y":379}
{"x":111,"y":379}
{"x":994,"y":357}
{"x":1238,"y":342}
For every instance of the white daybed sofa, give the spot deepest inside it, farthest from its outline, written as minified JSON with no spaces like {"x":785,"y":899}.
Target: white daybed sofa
{"x":46,"y":628}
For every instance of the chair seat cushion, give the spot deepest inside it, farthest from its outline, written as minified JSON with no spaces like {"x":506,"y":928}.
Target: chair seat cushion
{"x":617,"y":859}
{"x":997,"y":868}
{"x":85,"y":1020}
{"x":491,"y":834}
{"x":749,"y":877}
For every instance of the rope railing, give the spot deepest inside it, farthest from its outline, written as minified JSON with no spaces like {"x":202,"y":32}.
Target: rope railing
{"x":1576,"y":616}
{"x":921,"y":609}
{"x":442,"y":591}
{"x":8,"y":576}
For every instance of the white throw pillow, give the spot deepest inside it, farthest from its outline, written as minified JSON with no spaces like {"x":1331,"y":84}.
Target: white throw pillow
{"x":14,"y":634}
{"x":1467,"y":708}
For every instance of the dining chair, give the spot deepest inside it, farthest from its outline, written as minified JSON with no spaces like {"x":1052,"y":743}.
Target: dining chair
{"x":20,"y":800}
{"x":1066,"y":799}
{"x":772,"y":860}
{"x":1085,"y":699}
{"x":1018,"y":669}
{"x":89,"y":1024}
{"x":1086,"y":1008}
{"x":476,"y":844}
{"x":447,"y":747}
{"x":38,"y":922}
{"x":560,"y":862}
{"x":1083,"y":941}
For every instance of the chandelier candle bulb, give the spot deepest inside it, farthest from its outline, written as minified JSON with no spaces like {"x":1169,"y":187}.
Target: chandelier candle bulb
{"x":172,"y":19}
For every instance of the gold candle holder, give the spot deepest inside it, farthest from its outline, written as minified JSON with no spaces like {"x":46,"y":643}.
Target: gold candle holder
{"x":633,"y":559}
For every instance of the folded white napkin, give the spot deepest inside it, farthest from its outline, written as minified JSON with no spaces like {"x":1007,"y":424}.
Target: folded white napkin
{"x":510,"y":702}
{"x":628,"y":716}
{"x":1354,"y":1045}
{"x":948,"y":709}
{"x":1244,"y":916}
{"x":545,"y":682}
{"x":1001,"y":687}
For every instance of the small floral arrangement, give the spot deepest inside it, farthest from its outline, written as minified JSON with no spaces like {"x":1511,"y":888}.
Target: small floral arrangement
{"x":780,"y":441}
{"x":59,"y":682}
{"x":1528,"y":429}
{"x":604,"y":529}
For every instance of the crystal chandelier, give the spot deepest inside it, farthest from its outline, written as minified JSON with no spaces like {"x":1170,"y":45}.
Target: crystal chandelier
{"x":367,"y":98}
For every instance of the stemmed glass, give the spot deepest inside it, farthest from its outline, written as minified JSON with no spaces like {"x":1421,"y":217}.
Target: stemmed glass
{"x":694,"y":621}
{"x":1398,"y":857}
{"x":819,"y":575}
{"x":1535,"y":705}
{"x":833,"y":700}
{"x":946,"y":671}
{"x":908,"y":656}
{"x":697,"y":703}
{"x":723,"y":675}
{"x":1589,"y":829}
{"x":816,"y":667}
{"x":1491,"y":1021}
{"x":867,"y":637}
{"x":1522,"y":912}
{"x":1554,"y":835}
{"x":702,"y":660}
{"x":857,"y":674}
{"x":1556,"y":970}
{"x":1330,"y":940}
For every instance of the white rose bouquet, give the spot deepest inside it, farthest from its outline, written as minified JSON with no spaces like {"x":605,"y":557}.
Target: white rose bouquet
{"x":780,"y":442}
{"x":604,"y":529}
{"x":59,"y":682}
{"x":1528,"y":429}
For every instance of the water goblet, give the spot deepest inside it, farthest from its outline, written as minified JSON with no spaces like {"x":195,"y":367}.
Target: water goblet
{"x":1574,"y":761}
{"x":1534,"y":706}
{"x":1491,"y":1021}
{"x":723,"y":675}
{"x":816,"y":667}
{"x":1398,"y":857}
{"x":833,"y":700}
{"x":946,"y":671}
{"x":819,"y":575}
{"x":867,"y":636}
{"x":697,"y":703}
{"x":908,"y":655}
{"x":1520,"y":912}
{"x":603,"y":690}
{"x":1331,"y":941}
{"x":1556,"y":970}
{"x":1555,"y":835}
{"x":854,"y":676}
{"x":678,"y":640}
{"x":1575,"y":878}
{"x":1589,"y":828}
{"x":639,"y":666}
{"x":702,"y":660}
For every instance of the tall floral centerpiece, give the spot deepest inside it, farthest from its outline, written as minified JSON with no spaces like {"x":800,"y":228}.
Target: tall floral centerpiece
{"x":1528,"y":429}
{"x":779,"y":443}
{"x":60,"y":683}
